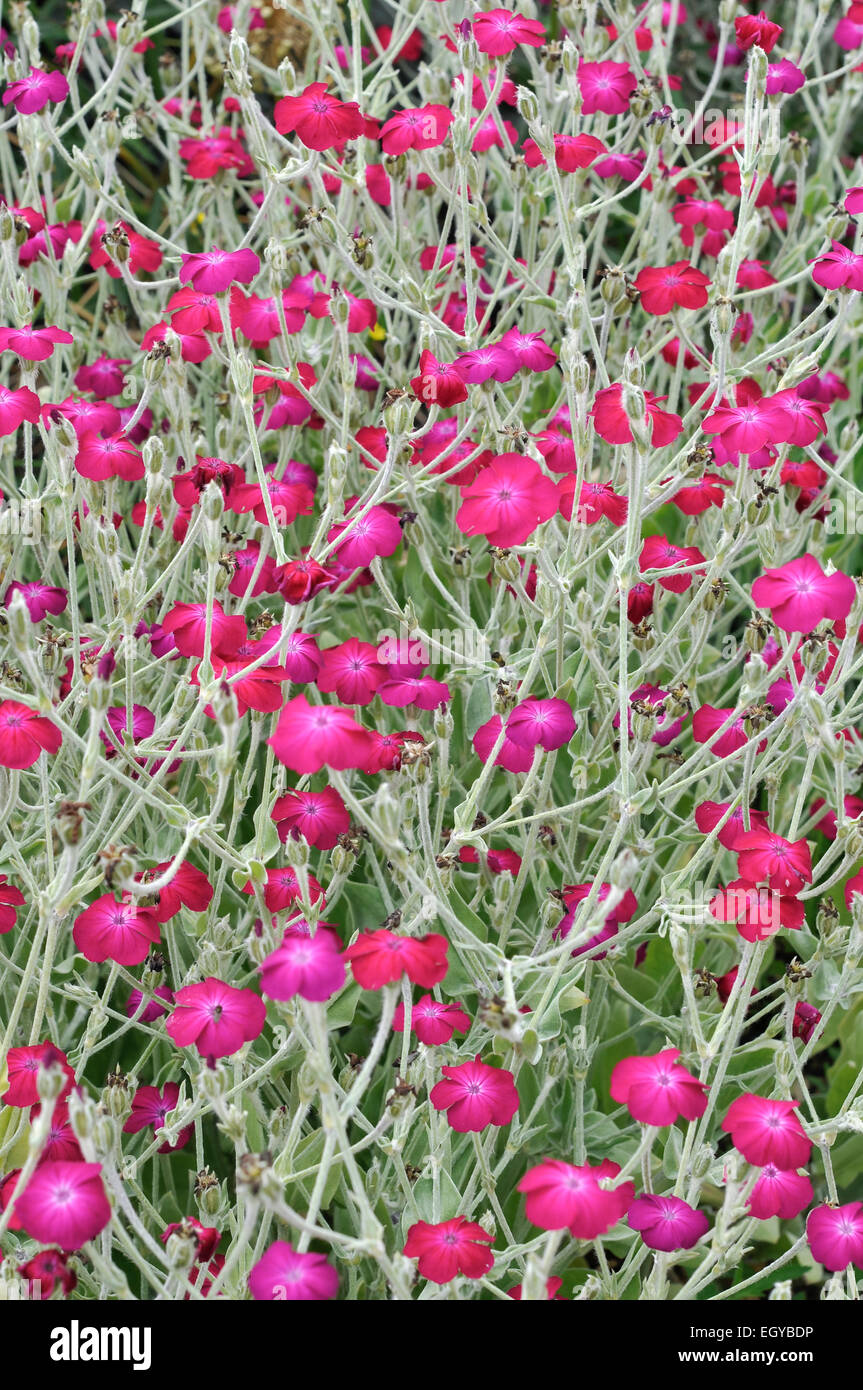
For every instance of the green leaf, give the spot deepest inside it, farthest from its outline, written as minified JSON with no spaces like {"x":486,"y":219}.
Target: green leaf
{"x":479,"y":708}
{"x":341,"y":1010}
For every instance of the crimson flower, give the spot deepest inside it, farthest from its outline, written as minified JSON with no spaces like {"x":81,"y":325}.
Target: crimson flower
{"x":434,"y":1023}
{"x":799,"y":595}
{"x":320,"y":120}
{"x":309,"y":737}
{"x":381,"y":957}
{"x":25,"y":735}
{"x":317,"y":817}
{"x":506,"y":503}
{"x":217,"y":1018}
{"x":561,"y":1196}
{"x":767,"y":1131}
{"x":119,"y":931}
{"x":678,"y":286}
{"x":450,"y":1248}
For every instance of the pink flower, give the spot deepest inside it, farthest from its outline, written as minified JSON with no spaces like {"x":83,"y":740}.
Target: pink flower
{"x":506,"y":503}
{"x":381,"y":957}
{"x":213,"y":272}
{"x":309,"y":737}
{"x":35,"y":91}
{"x":17,"y":406}
{"x":317,"y":817}
{"x":376,"y":532}
{"x":779,"y":1192}
{"x":574,"y":895}
{"x":767,"y":1131}
{"x":320,"y":120}
{"x":835,"y":1235}
{"x":562,"y":1196}
{"x":432,"y":1022}
{"x":659,"y":553}
{"x":475,"y":1095}
{"x":763,"y":857}
{"x":420,"y":129}
{"x":667,"y":1223}
{"x":547,"y":724}
{"x":41,"y":599}
{"x":22,"y":1072}
{"x":606,"y":87}
{"x":838,"y":268}
{"x":10,"y":900}
{"x":283,"y":1273}
{"x":800,"y":595}
{"x":498,"y":32}
{"x":613,"y":425}
{"x":118,"y":931}
{"x":553,"y":1285}
{"x":25,"y":735}
{"x":657,"y":1090}
{"x":33,"y":344}
{"x":450,"y":1248}
{"x":663,"y":288}
{"x":756,"y":29}
{"x":596,"y":500}
{"x":311,"y":966}
{"x":216,"y":1017}
{"x":853,"y":203}
{"x":64,"y":1204}
{"x":282,"y":889}
{"x":749,"y":426}
{"x":150,"y":1107}
{"x":531,"y":349}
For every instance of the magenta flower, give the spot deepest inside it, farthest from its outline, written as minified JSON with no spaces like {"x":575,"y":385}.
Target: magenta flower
{"x":283,"y":1273}
{"x":667,"y":1223}
{"x":750,"y":425}
{"x":779,"y":1192}
{"x":41,"y":599}
{"x":309,"y":737}
{"x":806,"y":1020}
{"x":311,"y":966}
{"x":381,"y":957}
{"x":317,"y":817}
{"x":571,"y":152}
{"x":217,"y":1018}
{"x":758,"y":913}
{"x":150,"y":1108}
{"x":450,"y":1248}
{"x":561,"y":1196}
{"x":420,"y":129}
{"x":153,"y":1009}
{"x":547,"y":724}
{"x":16,"y":407}
{"x":320,"y":120}
{"x":25,"y":735}
{"x":506,"y":503}
{"x":475,"y":1095}
{"x":35,"y":91}
{"x":767,"y":1131}
{"x":710,"y":813}
{"x":706,"y":722}
{"x":498,"y":32}
{"x":376,"y":532}
{"x":799,"y":595}
{"x":434,"y":1023}
{"x":839,"y":268}
{"x":113,"y":456}
{"x":492,"y":363}
{"x":785,"y":77}
{"x":663,"y":288}
{"x":439,"y":383}
{"x":189,"y":888}
{"x":512,"y":756}
{"x":22,"y":1072}
{"x":657,"y":1090}
{"x":606,"y":87}
{"x":213,"y":272}
{"x":835,"y":1235}
{"x":33,"y":344}
{"x":531,"y":349}
{"x":118,"y":931}
{"x":351,"y":671}
{"x":64,"y":1204}
{"x":574,"y":895}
